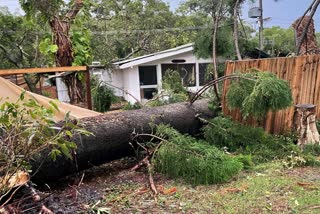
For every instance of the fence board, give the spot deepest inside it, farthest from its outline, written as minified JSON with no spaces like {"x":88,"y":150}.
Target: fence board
{"x":303,"y":75}
{"x":42,"y":70}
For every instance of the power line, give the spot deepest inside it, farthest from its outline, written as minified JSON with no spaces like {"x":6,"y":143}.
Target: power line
{"x":114,"y":32}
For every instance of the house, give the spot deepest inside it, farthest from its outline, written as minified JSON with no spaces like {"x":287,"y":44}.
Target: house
{"x":141,"y":77}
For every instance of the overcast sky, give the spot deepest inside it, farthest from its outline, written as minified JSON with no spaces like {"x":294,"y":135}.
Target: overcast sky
{"x":282,"y":13}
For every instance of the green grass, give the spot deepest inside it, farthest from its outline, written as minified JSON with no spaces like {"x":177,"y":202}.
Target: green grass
{"x":267,"y":188}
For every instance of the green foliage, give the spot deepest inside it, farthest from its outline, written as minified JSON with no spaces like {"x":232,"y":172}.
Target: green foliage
{"x":246,"y":160}
{"x":279,"y":40}
{"x":103,"y":97}
{"x":173,"y":90}
{"x":48,"y":49}
{"x":27,"y":130}
{"x":203,"y":43}
{"x":147,"y":27}
{"x":130,"y":106}
{"x":197,"y":162}
{"x":18,"y":41}
{"x":257,"y":93}
{"x":223,"y":132}
{"x":81,"y":47}
{"x":172,"y":82}
{"x":313,"y":149}
{"x":245,"y":140}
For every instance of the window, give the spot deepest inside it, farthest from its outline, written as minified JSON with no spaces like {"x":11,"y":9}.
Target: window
{"x":148,"y":75}
{"x":204,"y":75}
{"x":148,"y":82}
{"x":148,"y":93}
{"x":187,"y":72}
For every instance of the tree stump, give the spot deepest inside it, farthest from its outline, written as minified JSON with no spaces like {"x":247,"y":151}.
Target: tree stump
{"x":304,"y":123}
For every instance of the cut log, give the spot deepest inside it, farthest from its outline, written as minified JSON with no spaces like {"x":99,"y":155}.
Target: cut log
{"x":112,"y":134}
{"x":304,"y":123}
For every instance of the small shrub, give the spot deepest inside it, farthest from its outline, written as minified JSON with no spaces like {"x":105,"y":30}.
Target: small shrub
{"x":27,"y":130}
{"x":103,"y":97}
{"x":246,"y":160}
{"x":294,"y":160}
{"x":195,"y":161}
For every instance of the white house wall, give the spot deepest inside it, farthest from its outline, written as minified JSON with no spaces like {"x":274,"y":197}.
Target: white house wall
{"x":62,"y":91}
{"x":131,"y":84}
{"x":116,"y":79}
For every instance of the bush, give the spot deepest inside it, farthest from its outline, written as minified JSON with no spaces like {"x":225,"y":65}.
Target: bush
{"x":26,"y":131}
{"x":103,"y":97}
{"x":197,"y":162}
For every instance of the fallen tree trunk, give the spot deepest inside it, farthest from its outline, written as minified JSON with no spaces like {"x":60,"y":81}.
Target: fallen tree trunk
{"x":112,"y":134}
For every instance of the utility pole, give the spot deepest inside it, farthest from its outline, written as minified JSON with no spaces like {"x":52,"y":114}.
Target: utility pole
{"x":261,"y":26}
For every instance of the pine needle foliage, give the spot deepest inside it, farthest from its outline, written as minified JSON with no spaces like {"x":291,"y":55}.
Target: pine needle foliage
{"x":262,"y":147}
{"x":257,"y":93}
{"x":197,"y":162}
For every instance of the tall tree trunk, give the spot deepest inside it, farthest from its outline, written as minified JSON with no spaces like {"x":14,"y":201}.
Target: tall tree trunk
{"x":60,"y":27}
{"x":236,"y":28}
{"x":216,"y":19}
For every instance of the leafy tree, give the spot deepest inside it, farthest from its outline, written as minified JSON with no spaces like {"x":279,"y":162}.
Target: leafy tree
{"x":279,"y":40}
{"x":59,"y":15}
{"x":69,"y":45}
{"x":19,"y":40}
{"x":215,"y":10}
{"x":125,"y":29}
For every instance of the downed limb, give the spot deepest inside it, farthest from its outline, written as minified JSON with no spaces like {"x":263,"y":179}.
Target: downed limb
{"x":255,"y":93}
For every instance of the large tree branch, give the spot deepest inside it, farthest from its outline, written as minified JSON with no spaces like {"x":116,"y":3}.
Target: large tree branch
{"x":306,"y":28}
{"x":78,"y":4}
{"x":10,"y":57}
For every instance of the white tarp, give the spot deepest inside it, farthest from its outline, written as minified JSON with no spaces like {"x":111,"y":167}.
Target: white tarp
{"x":11,"y":93}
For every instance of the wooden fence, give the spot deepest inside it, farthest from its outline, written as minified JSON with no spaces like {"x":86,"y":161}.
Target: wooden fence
{"x":16,"y":72}
{"x":303,"y":75}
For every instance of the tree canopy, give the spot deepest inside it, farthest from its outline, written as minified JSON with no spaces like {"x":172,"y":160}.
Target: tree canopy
{"x":107,"y":31}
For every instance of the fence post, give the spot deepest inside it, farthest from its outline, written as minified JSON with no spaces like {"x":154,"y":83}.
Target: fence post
{"x":88,"y":88}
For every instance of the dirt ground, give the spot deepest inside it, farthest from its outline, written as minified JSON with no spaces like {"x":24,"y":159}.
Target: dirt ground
{"x":113,"y":188}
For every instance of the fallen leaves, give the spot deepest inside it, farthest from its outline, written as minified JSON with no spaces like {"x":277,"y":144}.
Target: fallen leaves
{"x":243,"y":188}
{"x":160,"y":188}
{"x":307,"y":186}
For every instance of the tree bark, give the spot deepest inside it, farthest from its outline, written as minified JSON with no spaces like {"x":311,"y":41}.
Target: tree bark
{"x":60,"y":27}
{"x":112,"y":134}
{"x":304,"y":33}
{"x":236,"y":28}
{"x":304,"y":124}
{"x":215,"y":19}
